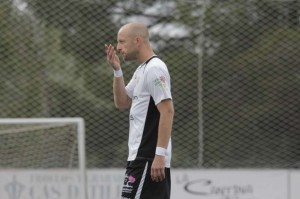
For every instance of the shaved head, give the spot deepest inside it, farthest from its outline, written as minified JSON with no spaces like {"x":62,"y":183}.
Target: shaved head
{"x":133,"y":42}
{"x":136,"y":30}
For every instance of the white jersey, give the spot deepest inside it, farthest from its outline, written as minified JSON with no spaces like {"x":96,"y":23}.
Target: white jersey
{"x":149,"y":85}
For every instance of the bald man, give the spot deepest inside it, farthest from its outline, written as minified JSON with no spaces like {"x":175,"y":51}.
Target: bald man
{"x":148,"y":95}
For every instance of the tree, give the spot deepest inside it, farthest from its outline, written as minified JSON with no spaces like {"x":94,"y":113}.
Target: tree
{"x":244,"y":86}
{"x":18,"y":60}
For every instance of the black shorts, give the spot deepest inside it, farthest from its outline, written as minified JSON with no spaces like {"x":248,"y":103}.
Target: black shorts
{"x":139,"y":185}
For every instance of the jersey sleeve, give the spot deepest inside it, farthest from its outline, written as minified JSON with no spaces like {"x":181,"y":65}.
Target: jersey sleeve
{"x":158,"y":84}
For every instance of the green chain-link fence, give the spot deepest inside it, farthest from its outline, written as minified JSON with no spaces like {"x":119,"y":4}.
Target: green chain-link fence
{"x":235,"y":70}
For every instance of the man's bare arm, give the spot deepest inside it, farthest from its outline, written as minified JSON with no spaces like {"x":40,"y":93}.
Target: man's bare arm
{"x":121,"y":99}
{"x":166,"y":110}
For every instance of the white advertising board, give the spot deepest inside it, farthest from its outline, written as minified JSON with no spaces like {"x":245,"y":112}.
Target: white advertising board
{"x":60,"y":184}
{"x":229,"y":184}
{"x":294,"y":177}
{"x":186,"y":184}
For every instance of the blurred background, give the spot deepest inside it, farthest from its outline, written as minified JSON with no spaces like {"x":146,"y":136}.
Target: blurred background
{"x":235,"y":70}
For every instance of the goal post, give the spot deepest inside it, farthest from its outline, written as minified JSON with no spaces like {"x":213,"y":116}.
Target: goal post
{"x":44,"y":143}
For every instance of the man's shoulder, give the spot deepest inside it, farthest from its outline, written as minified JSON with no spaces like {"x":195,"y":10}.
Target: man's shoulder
{"x":157,"y":60}
{"x":156,"y":63}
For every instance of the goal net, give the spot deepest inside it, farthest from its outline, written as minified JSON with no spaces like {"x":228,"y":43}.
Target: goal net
{"x":43,"y":143}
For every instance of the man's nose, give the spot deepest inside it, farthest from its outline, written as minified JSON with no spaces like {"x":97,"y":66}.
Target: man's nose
{"x":119,"y":48}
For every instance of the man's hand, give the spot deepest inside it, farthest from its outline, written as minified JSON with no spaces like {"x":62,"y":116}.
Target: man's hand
{"x":111,"y":57}
{"x":158,"y":168}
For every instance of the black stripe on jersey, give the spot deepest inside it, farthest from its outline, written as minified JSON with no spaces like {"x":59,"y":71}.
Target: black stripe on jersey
{"x":146,"y":62}
{"x":150,"y":133}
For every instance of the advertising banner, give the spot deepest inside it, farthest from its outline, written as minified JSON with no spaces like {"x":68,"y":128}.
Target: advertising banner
{"x":60,"y":184}
{"x":186,"y":184}
{"x":229,"y":184}
{"x":294,"y":177}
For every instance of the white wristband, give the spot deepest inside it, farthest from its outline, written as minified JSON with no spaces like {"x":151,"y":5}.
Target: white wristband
{"x":161,"y":151}
{"x":118,"y":73}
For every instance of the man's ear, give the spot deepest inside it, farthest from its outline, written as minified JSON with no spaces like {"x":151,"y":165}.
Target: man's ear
{"x":138,"y":40}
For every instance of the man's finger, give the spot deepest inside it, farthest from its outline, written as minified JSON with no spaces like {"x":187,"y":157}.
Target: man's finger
{"x":158,"y":174}
{"x":153,"y":174}
{"x":161,"y":174}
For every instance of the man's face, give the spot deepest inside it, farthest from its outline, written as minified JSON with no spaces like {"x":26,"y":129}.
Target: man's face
{"x":126,"y":46}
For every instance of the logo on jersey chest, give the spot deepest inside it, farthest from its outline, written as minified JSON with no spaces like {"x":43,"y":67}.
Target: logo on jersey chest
{"x":131,"y":117}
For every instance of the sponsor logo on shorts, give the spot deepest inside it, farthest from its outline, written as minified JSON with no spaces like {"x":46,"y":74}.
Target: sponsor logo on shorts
{"x":128,"y":184}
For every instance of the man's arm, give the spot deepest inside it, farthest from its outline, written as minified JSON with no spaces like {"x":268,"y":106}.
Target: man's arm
{"x":122,"y":100}
{"x":166,"y":110}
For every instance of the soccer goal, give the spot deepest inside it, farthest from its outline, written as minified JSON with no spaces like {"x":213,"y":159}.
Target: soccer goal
{"x":44,"y":143}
